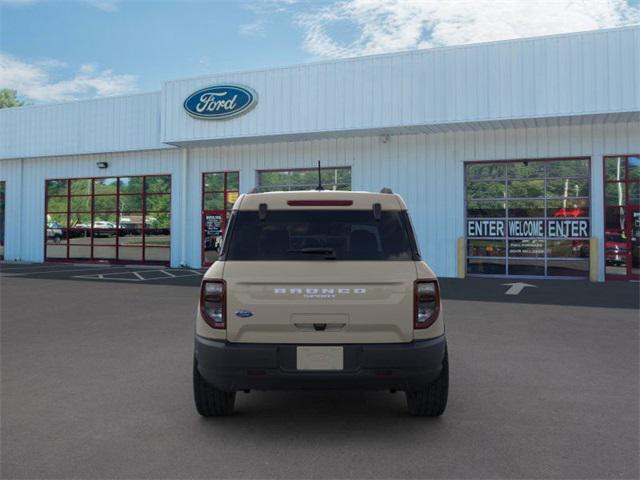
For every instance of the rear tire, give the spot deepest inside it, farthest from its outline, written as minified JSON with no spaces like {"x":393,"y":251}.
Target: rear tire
{"x":432,"y":400}
{"x":211,"y":402}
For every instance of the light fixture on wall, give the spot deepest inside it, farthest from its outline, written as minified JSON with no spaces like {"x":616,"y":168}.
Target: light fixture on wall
{"x":102,"y":165}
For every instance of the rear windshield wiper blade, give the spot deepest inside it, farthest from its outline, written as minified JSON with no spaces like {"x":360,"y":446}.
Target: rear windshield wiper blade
{"x":328,"y":252}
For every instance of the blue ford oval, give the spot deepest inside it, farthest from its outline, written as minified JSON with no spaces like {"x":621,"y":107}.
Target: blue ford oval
{"x":220,"y":101}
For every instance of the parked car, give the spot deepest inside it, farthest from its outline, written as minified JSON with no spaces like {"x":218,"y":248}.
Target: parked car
{"x":317,"y":290}
{"x":102,"y":228}
{"x":54,"y":232}
{"x":80,"y":230}
{"x":131,"y":225}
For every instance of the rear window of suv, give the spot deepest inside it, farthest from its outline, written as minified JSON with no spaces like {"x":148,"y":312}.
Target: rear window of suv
{"x":319,"y":235}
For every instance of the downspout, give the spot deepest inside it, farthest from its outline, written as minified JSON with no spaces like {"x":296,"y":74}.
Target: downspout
{"x":20,"y":245}
{"x":183,"y":206}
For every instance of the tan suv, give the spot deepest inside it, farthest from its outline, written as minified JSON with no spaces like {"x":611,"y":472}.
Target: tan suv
{"x":320,"y":290}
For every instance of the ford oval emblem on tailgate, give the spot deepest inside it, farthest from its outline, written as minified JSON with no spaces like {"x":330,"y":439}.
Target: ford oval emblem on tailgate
{"x":244,"y":314}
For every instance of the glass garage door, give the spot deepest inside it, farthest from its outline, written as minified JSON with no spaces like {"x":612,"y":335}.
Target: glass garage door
{"x":333,"y":178}
{"x":622,"y":217}
{"x":528,"y":218}
{"x":116,"y":219}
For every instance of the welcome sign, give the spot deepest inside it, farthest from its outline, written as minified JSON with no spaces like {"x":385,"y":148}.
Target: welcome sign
{"x":528,"y":228}
{"x":220,"y":102}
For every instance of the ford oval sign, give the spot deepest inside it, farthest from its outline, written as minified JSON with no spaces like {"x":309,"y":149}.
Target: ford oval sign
{"x":220,"y":102}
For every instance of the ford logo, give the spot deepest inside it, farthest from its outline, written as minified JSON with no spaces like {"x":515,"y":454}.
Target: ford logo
{"x":220,"y":102}
{"x":244,"y":314}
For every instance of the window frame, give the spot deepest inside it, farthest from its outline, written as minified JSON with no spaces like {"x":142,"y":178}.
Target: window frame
{"x":627,"y":206}
{"x":302,"y":169}
{"x":117,"y":213}
{"x":226,"y":212}
{"x":506,"y":199}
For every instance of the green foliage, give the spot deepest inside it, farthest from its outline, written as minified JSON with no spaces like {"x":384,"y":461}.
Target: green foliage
{"x":526,"y":188}
{"x":158,"y":203}
{"x":486,"y":190}
{"x":332,"y":179}
{"x":158,"y":184}
{"x":8,"y":98}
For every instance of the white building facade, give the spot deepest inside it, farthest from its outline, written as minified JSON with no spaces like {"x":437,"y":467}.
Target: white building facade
{"x":518,"y":158}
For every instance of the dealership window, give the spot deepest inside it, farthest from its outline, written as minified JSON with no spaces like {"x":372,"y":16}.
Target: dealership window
{"x":528,"y":218}
{"x":219,"y":192}
{"x":622,"y":217}
{"x":333,"y":178}
{"x":2,"y":187}
{"x":116,"y":219}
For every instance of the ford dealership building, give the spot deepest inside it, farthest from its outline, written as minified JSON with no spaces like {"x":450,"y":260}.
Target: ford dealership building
{"x":516,"y":158}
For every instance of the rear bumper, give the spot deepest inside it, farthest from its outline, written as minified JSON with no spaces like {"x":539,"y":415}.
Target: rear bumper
{"x":254,"y":366}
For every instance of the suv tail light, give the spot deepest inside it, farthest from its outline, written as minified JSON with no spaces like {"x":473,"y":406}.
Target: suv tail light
{"x":426,"y":303}
{"x":213,"y":297}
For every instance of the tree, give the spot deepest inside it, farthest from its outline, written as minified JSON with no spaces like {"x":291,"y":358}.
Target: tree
{"x":8,"y":98}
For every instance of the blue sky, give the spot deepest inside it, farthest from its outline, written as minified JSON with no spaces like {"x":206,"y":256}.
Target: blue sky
{"x":63,"y":50}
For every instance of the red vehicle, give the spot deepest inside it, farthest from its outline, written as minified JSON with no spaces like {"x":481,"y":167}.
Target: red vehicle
{"x":615,"y":247}
{"x":569,"y":212}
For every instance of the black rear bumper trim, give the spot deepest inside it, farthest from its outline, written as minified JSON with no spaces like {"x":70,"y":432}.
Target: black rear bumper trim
{"x":255,"y":366}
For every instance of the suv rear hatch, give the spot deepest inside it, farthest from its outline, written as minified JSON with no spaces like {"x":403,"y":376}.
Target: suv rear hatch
{"x":319,"y":276}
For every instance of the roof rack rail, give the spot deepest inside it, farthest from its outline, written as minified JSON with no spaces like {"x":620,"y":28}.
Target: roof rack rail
{"x":386,"y":190}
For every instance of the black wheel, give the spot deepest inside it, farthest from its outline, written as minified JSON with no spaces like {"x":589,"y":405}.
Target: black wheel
{"x":211,"y":402}
{"x":432,"y":401}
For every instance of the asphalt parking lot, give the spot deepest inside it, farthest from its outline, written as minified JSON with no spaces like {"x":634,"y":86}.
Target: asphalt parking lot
{"x":96,"y":383}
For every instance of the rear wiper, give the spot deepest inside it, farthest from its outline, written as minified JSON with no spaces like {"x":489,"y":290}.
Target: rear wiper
{"x":329,"y":253}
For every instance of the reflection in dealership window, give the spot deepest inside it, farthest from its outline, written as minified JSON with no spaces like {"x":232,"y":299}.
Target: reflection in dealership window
{"x":570,"y":208}
{"x":568,"y":187}
{"x":117,"y":218}
{"x":334,"y":178}
{"x":486,"y":248}
{"x":486,"y":266}
{"x":568,"y":248}
{"x":525,"y":208}
{"x":531,"y":209}
{"x":525,"y":188}
{"x":220,"y":190}
{"x":484,"y":209}
{"x":525,"y":169}
{"x":622,"y":216}
{"x":486,"y":190}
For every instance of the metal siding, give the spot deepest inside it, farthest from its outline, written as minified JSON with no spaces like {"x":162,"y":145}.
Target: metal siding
{"x":426,"y":169}
{"x":92,"y":126}
{"x":11,"y":174}
{"x":557,"y":76}
{"x":26,"y":202}
{"x":546,"y":79}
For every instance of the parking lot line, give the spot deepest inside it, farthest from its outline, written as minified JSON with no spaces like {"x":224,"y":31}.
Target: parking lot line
{"x":139,"y":276}
{"x":59,"y":270}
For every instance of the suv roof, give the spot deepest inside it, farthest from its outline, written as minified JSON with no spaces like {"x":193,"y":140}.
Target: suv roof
{"x":282,"y":200}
